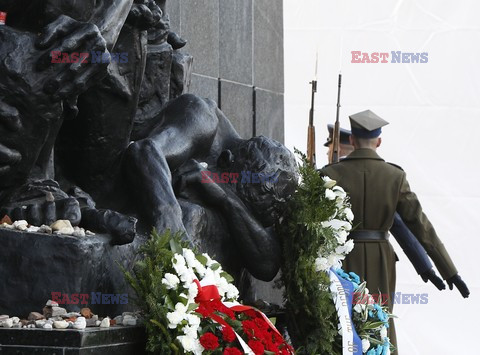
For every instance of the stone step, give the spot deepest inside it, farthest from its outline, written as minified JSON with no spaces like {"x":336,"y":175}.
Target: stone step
{"x":116,"y":340}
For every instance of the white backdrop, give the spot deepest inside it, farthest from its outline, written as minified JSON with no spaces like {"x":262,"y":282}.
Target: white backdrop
{"x":434,"y":114}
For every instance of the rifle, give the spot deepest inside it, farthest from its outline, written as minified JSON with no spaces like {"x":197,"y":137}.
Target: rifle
{"x":311,"y":128}
{"x":335,"y":151}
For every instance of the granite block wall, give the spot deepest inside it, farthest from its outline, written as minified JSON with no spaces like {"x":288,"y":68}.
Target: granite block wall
{"x":237,"y":47}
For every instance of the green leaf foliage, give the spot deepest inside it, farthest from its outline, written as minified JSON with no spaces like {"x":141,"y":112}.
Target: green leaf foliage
{"x":152,"y":295}
{"x":311,"y":314}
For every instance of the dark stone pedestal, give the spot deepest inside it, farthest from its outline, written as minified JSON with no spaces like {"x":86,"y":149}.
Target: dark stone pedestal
{"x":116,"y":340}
{"x":34,"y":265}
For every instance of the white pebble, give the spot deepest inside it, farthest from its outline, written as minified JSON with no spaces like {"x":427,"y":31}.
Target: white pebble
{"x":80,"y":323}
{"x":60,"y":324}
{"x":52,"y":303}
{"x":7,"y":226}
{"x":78,"y":232}
{"x":45,"y":229}
{"x":7,"y":323}
{"x":105,"y":323}
{"x":20,"y":225}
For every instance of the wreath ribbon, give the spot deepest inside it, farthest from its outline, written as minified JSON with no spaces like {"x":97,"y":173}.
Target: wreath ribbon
{"x":210,"y":293}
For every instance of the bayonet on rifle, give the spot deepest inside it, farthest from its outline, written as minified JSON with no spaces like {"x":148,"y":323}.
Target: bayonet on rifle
{"x":311,"y":128}
{"x":335,"y":151}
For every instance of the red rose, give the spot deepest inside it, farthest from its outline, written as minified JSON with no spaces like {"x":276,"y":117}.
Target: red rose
{"x":228,"y":334}
{"x":209,"y":341}
{"x":256,"y":346}
{"x":277,"y":338}
{"x":260,"y":322}
{"x":232,"y":351}
{"x":250,"y":328}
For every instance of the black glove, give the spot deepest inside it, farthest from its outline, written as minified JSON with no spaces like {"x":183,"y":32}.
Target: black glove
{"x":432,"y":276}
{"x":459,"y":284}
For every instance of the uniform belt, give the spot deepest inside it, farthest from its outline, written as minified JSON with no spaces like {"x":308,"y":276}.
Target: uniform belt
{"x":368,"y":235}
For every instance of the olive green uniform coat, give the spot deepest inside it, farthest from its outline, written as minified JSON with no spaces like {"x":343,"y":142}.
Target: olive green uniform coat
{"x":377,"y":189}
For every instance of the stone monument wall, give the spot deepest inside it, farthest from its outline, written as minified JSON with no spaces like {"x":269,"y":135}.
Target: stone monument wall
{"x":237,"y":47}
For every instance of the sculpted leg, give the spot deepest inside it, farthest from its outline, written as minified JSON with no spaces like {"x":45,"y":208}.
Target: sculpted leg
{"x":149,"y":177}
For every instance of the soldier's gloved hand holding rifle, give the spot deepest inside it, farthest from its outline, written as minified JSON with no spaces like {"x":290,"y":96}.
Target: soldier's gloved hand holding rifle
{"x":432,"y":276}
{"x":459,"y":284}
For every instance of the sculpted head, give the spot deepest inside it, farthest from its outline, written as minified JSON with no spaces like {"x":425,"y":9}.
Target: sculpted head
{"x":273,"y":163}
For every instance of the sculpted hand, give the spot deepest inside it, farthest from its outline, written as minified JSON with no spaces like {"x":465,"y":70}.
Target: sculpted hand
{"x":459,"y":284}
{"x":432,"y":276}
{"x":66,"y":35}
{"x":45,"y":212}
{"x":144,"y":14}
{"x":192,"y":173}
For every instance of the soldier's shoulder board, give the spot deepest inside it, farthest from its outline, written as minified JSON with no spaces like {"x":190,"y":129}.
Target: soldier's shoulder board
{"x":328,"y":166}
{"x":395,"y":165}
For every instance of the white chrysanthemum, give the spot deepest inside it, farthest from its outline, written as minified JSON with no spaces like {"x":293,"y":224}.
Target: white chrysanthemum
{"x":218,"y":279}
{"x":189,"y":257}
{"x":193,"y":320}
{"x":198,"y":350}
{"x":232,"y":292}
{"x":171,"y":281}
{"x":210,"y":278}
{"x":365,"y":345}
{"x":383,"y":333}
{"x":321,"y":264}
{"x":328,"y":183}
{"x":341,"y":236}
{"x":210,"y":262}
{"x":191,"y":331}
{"x":187,"y":276}
{"x":178,"y":263}
{"x":334,"y":260}
{"x":174,"y":318}
{"x":192,"y":292}
{"x":178,"y":260}
{"x":200,"y":269}
{"x":349,"y":246}
{"x":336,"y":224}
{"x":181,"y":308}
{"x":329,"y":194}
{"x":340,"y":250}
{"x":348,"y":213}
{"x":222,"y":286}
{"x":339,"y":192}
{"x":190,"y":344}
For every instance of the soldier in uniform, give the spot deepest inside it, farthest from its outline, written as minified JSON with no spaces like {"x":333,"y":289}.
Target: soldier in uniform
{"x":377,"y":189}
{"x":404,"y":237}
